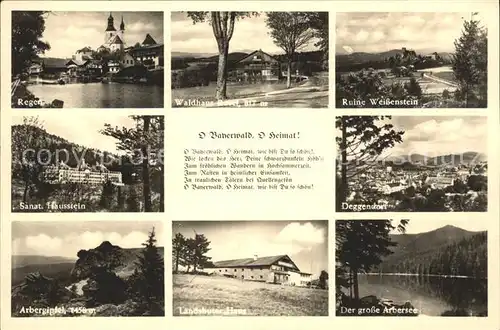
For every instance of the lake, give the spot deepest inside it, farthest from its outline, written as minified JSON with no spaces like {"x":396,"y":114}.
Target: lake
{"x":98,"y":95}
{"x":432,"y":295}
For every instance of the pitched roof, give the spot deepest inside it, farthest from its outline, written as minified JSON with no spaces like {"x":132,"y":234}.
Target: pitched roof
{"x":149,"y":40}
{"x":53,"y":62}
{"x":272,"y":58}
{"x":115,"y":40}
{"x":76,"y":62}
{"x":84,"y":50}
{"x":249,"y":262}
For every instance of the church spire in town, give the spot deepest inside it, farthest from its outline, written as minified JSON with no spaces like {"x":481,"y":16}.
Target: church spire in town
{"x":111,"y":25}
{"x":122,"y":25}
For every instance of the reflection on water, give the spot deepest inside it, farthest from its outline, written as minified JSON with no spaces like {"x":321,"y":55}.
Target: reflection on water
{"x":433,"y":296}
{"x":98,"y":95}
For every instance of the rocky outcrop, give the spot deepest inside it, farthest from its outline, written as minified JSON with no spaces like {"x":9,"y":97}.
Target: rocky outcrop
{"x":108,"y":256}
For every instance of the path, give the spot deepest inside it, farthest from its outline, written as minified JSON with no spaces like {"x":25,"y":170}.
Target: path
{"x":439,"y":80}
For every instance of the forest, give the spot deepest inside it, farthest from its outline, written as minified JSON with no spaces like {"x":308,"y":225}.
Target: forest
{"x":466,"y":257}
{"x":106,"y":289}
{"x":141,"y":167}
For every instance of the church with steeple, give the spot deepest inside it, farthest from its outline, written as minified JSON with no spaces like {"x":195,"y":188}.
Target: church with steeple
{"x":114,"y":39}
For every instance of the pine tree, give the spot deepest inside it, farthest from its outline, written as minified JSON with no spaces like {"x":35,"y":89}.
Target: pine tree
{"x":150,"y":278}
{"x":470,"y":62}
{"x":178,"y":250}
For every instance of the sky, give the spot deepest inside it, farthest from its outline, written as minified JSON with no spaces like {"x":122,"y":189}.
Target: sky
{"x":66,"y":238}
{"x":83,"y":128}
{"x":305,"y":242}
{"x":249,"y":34}
{"x":378,"y":32}
{"x":438,"y":135}
{"x":66,"y":32}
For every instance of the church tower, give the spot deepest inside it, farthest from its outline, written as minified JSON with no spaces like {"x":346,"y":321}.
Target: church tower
{"x":122,"y":31}
{"x":110,"y":30}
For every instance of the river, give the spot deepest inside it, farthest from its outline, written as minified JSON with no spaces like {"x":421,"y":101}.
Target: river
{"x":432,"y":296}
{"x":98,"y":95}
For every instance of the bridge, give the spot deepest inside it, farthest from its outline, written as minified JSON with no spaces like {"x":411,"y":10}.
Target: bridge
{"x":54,"y":175}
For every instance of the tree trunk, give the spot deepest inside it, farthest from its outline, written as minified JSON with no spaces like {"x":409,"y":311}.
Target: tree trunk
{"x":289,"y":74}
{"x":162,"y":191}
{"x":177,"y":261}
{"x":222,"y":70}
{"x":356,"y":284}
{"x":145,"y":170}
{"x":25,"y":194}
{"x":343,"y":171}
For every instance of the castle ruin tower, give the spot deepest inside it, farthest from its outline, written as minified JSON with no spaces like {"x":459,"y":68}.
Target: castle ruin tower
{"x":110,"y":30}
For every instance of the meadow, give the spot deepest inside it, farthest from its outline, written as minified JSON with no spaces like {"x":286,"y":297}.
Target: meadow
{"x":256,"y":298}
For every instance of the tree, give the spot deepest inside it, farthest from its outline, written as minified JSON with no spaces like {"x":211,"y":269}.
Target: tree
{"x":200,"y":246}
{"x":144,"y":144}
{"x":291,"y":32}
{"x":149,"y":278}
{"x":362,"y":140}
{"x":222,"y":23}
{"x":469,"y":63}
{"x":318,"y":21}
{"x":179,"y":245}
{"x":27,"y":32}
{"x":27,"y":140}
{"x":323,"y":277}
{"x":361,"y":244}
{"x":413,"y":88}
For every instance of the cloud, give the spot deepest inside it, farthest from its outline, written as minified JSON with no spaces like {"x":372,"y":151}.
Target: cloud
{"x":43,"y":243}
{"x":67,"y":32}
{"x":306,"y":234}
{"x":438,"y":136}
{"x":378,"y":32}
{"x":250,"y":33}
{"x":71,"y":243}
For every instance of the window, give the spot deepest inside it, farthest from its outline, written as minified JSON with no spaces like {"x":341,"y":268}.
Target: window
{"x":235,"y":270}
{"x":220,"y":270}
{"x":225,"y":270}
{"x":251,"y":277}
{"x":242,"y":277}
{"x":260,"y":276}
{"x":242,"y":269}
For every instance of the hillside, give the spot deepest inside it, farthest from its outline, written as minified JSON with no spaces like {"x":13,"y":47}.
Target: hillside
{"x":26,"y":260}
{"x":54,"y":142}
{"x":361,"y":57}
{"x":469,"y":157}
{"x":438,"y":252}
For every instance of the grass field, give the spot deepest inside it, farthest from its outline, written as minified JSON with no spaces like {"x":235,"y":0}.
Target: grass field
{"x":256,"y":298}
{"x":259,"y":90}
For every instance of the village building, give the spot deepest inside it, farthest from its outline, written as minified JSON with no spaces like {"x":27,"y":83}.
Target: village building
{"x":274,"y":269}
{"x":256,"y":66}
{"x":439,"y":182}
{"x":149,"y":53}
